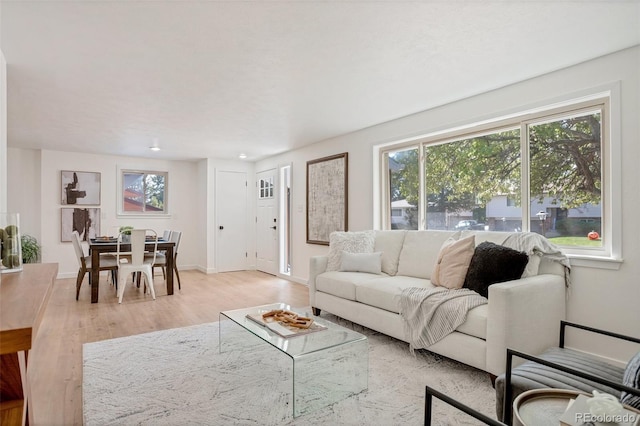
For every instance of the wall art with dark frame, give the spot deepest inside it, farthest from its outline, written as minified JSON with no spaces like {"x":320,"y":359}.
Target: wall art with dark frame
{"x":84,"y":220}
{"x":327,"y":197}
{"x":80,"y":188}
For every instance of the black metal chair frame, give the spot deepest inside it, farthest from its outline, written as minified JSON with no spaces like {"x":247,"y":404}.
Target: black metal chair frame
{"x":430,"y":393}
{"x":508,"y":391}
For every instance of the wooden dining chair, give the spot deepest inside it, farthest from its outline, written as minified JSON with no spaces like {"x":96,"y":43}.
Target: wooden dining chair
{"x":161,"y":260}
{"x":134,"y":261}
{"x":107,"y":263}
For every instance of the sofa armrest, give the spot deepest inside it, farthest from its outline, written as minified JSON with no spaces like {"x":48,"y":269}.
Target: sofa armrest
{"x":524,"y":315}
{"x":317,"y":265}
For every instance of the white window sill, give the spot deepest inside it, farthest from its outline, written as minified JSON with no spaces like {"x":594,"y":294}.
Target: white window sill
{"x":144,"y":215}
{"x":598,"y":262}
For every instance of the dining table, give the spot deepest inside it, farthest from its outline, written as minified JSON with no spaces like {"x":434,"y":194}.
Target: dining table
{"x":97,"y":246}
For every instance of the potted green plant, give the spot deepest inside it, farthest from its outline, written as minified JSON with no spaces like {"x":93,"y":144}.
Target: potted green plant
{"x":126,"y":233}
{"x":30,"y":249}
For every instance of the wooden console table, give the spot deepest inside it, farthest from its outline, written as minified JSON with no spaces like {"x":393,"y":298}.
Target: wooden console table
{"x":23,"y":299}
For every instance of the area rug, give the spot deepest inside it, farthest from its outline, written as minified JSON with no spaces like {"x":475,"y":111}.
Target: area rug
{"x":178,"y":377}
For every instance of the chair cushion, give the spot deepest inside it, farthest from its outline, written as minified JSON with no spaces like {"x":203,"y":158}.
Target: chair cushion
{"x":631,"y":378}
{"x":531,"y":375}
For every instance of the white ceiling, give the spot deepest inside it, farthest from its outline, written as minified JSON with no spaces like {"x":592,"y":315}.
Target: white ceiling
{"x":217,"y":78}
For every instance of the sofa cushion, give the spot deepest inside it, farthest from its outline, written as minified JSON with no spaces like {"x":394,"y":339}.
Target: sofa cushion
{"x":495,"y":237}
{"x":453,"y":262}
{"x":352,"y":242}
{"x":419,"y":250}
{"x":390,"y":244}
{"x":476,"y":322}
{"x":361,"y":262}
{"x":384,"y":293}
{"x":342,"y":284}
{"x":631,"y":378}
{"x":492,"y":263}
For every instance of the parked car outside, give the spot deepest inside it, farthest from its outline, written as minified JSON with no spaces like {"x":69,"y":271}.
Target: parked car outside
{"x":469,"y":224}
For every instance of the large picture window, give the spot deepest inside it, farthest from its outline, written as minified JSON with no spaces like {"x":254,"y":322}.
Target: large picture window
{"x":540,"y":172}
{"x":143,"y":192}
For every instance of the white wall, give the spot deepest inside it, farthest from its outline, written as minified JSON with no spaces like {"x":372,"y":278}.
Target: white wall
{"x":3,"y":133}
{"x":602,"y":298}
{"x":24,"y":191}
{"x":43,"y":211}
{"x":3,"y":125}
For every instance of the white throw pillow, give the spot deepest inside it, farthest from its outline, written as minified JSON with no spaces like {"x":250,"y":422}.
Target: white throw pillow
{"x":351,"y":242}
{"x":453,"y":262}
{"x":362,"y":262}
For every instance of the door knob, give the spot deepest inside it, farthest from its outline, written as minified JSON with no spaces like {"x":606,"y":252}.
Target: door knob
{"x":221,"y":227}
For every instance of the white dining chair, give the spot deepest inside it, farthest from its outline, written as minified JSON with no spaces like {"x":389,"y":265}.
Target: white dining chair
{"x":135,"y":261}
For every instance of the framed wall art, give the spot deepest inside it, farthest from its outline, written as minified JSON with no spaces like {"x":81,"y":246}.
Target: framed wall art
{"x":327,"y":197}
{"x":86,"y":221}
{"x":80,"y":188}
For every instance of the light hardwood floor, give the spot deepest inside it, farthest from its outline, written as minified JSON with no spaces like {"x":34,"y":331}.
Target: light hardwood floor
{"x":56,"y":358}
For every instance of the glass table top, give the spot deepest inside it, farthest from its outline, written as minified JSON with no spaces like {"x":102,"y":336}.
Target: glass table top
{"x":299,"y":345}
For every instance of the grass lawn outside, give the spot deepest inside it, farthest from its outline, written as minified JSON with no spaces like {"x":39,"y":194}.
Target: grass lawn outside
{"x":576,"y":241}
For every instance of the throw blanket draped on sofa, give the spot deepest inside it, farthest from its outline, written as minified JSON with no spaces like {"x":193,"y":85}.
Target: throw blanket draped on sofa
{"x":431,"y":314}
{"x":536,"y":245}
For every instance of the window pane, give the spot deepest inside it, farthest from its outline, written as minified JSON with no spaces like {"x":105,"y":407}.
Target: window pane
{"x":144,"y":192}
{"x":133,"y":192}
{"x":154,"y":192}
{"x":566,"y":180}
{"x":404,"y":189}
{"x":474,"y":183}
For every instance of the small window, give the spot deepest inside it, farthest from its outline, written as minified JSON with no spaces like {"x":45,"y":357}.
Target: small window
{"x":143,"y":192}
{"x":265,"y":189}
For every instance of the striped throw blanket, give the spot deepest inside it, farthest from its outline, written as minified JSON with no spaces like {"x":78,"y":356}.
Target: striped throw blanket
{"x":431,"y":314}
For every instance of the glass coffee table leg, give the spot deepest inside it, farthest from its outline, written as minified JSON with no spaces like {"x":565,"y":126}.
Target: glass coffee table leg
{"x":325,"y":377}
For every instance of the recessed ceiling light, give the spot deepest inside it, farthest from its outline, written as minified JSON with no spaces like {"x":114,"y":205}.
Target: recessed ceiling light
{"x":243,"y":156}
{"x":154,"y":148}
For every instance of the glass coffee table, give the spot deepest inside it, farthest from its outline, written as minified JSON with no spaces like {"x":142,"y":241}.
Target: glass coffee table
{"x":328,"y":365}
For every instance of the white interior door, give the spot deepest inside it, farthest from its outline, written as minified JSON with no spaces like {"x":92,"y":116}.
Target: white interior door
{"x":266,"y":222}
{"x":231,"y":229}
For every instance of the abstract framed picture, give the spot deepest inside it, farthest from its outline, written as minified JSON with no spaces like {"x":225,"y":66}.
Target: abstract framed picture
{"x":327,"y":197}
{"x":80,"y":188}
{"x":84,"y":220}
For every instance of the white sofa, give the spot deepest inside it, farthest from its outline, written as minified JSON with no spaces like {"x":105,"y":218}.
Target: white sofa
{"x":522,"y":314}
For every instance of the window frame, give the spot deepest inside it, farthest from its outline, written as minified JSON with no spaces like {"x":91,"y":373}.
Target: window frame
{"x":148,"y":214}
{"x":606,"y":99}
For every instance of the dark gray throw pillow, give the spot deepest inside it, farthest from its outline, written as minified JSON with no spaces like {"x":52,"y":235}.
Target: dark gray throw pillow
{"x":631,"y":378}
{"x":492,"y":263}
